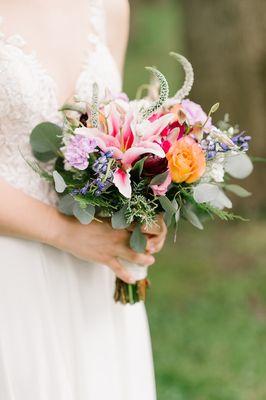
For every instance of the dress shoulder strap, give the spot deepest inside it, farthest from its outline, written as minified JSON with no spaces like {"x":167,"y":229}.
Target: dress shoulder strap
{"x":97,"y":20}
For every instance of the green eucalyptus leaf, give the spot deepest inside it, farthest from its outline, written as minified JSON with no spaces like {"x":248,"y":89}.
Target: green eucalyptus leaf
{"x":138,"y":166}
{"x":138,"y":240}
{"x":66,"y":204}
{"x":191,"y":217}
{"x":177,"y":210}
{"x":177,"y":216}
{"x":118,"y":219}
{"x":60,"y":184}
{"x":238,"y":190}
{"x":167,"y":218}
{"x":46,"y":138}
{"x":169,"y":209}
{"x":175,"y":204}
{"x":167,"y":205}
{"x":84,"y":215}
{"x":159,"y":179}
{"x":43,"y":157}
{"x":72,"y":107}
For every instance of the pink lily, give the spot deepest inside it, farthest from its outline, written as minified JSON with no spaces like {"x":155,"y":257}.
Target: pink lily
{"x":128,"y":140}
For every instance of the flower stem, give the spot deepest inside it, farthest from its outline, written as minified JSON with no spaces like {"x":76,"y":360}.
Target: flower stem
{"x":130,"y":294}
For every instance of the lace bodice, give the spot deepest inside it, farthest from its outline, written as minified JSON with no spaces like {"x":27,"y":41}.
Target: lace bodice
{"x":28,"y":96}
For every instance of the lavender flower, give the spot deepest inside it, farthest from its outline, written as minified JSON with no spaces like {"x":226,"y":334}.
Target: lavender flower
{"x":100,"y":167}
{"x":210,"y":146}
{"x":239,"y":140}
{"x":78,"y":151}
{"x":242,"y":141}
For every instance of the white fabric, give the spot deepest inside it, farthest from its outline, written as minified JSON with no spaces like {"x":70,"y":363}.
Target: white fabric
{"x":138,"y":272}
{"x":62,"y":337}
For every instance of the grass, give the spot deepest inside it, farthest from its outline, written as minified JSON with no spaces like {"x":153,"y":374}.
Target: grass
{"x":207,"y":311}
{"x":207,"y":306}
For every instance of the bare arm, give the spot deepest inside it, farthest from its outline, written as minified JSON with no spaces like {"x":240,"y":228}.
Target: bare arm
{"x":25,"y":217}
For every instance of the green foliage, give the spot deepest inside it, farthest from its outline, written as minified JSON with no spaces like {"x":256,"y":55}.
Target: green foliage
{"x":222,"y":214}
{"x":169,"y":209}
{"x":208,"y":209}
{"x":66,"y":204}
{"x":159,"y":179}
{"x":140,"y":209}
{"x":45,"y":140}
{"x":191,"y":216}
{"x":72,"y":107}
{"x":138,"y":240}
{"x":138,"y":166}
{"x":84,"y":214}
{"x":238,"y":190}
{"x":60,"y":184}
{"x":119,"y":220}
{"x":35,"y":166}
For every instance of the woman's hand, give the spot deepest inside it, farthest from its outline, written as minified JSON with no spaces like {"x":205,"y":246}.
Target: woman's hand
{"x":98,"y":242}
{"x":156,"y":235}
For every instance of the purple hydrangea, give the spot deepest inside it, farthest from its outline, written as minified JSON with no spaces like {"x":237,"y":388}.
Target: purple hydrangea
{"x":78,"y":151}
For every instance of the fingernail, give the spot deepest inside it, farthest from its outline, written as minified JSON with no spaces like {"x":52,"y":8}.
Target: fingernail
{"x":152,"y":249}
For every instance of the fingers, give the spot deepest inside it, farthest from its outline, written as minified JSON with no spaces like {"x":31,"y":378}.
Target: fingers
{"x":137,"y":258}
{"x":120,"y":271}
{"x":155,"y":243}
{"x":159,"y":227}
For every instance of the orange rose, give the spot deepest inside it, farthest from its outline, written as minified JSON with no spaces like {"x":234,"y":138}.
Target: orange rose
{"x":186,"y":160}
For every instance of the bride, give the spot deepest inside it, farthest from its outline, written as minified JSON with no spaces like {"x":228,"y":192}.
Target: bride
{"x":62,"y":337}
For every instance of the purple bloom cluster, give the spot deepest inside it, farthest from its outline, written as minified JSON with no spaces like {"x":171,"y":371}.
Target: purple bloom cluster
{"x":211,"y":147}
{"x":78,"y":151}
{"x":241,"y":141}
{"x":100,"y":167}
{"x":102,"y":181}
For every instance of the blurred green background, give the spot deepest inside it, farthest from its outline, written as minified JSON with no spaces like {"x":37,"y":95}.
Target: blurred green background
{"x":207,"y":306}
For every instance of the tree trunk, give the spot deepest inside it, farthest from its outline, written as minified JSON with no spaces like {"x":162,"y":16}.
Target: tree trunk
{"x":225,"y":43}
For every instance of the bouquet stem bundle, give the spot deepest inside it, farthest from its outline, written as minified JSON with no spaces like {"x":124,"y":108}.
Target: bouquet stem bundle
{"x":130,"y":293}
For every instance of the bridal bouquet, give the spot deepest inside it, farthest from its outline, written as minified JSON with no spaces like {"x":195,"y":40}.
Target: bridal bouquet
{"x":131,"y":160}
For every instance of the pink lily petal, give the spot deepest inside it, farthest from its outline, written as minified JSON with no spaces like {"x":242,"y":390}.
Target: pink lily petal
{"x":174,"y":135}
{"x":134,"y":153}
{"x":113,"y":121}
{"x":122,"y":182}
{"x":104,"y":142}
{"x":152,"y":130}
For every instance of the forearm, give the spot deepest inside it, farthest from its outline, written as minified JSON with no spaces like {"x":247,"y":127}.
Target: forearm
{"x":25,"y":217}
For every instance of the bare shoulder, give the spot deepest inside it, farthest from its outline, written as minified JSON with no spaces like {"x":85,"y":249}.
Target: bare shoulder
{"x":118,"y":16}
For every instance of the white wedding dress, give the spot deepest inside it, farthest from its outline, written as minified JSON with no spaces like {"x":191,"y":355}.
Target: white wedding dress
{"x":62,"y":337}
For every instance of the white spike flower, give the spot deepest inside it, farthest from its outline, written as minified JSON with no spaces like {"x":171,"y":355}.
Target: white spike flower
{"x":189,"y":80}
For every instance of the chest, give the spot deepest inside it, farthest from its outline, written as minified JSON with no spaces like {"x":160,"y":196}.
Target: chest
{"x":59,"y":38}
{"x":54,"y":64}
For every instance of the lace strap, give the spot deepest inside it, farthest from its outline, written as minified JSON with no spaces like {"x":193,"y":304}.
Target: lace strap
{"x":97,"y":20}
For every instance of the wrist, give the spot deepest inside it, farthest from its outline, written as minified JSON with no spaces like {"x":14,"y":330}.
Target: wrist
{"x":56,"y":228}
